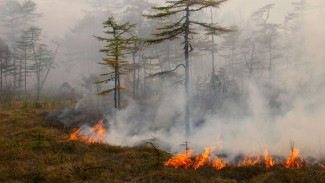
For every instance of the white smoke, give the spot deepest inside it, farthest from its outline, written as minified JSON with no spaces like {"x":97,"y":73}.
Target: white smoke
{"x":300,"y":118}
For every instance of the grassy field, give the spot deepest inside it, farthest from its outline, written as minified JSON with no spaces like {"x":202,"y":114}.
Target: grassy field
{"x":35,"y":150}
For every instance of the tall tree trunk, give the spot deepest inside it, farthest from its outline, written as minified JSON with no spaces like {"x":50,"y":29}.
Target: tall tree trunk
{"x":6,"y":71}
{"x":118,"y":80}
{"x":168,"y":55}
{"x":213,"y":82}
{"x":138,"y":74}
{"x":118,"y":89}
{"x":20,"y":74}
{"x":15,"y":73}
{"x":270,"y":61}
{"x":37,"y":64}
{"x":52,"y":60}
{"x":1,"y":71}
{"x":25,"y":69}
{"x":186,"y":48}
{"x":39,"y":77}
{"x":115,"y":88}
{"x":144,"y":78}
{"x":212,"y":50}
{"x":116,"y":77}
{"x":134,"y":72}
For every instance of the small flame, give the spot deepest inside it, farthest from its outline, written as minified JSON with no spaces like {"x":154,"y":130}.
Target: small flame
{"x":94,"y":135}
{"x":219,"y":164}
{"x":181,"y":160}
{"x":201,"y":160}
{"x":248,"y":161}
{"x":294,"y":160}
{"x":269,"y":162}
{"x":185,"y":161}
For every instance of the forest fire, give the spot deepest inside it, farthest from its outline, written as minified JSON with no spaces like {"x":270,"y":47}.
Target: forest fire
{"x":185,"y":160}
{"x":94,"y":135}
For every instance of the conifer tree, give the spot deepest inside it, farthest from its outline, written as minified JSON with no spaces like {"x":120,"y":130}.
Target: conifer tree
{"x":184,"y":27}
{"x":115,"y":50}
{"x":5,"y":64}
{"x":16,"y":17}
{"x":27,"y":47}
{"x":43,"y":63}
{"x":268,"y":36}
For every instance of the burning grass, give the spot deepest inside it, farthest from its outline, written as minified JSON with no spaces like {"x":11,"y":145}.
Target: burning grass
{"x":35,"y":150}
{"x":95,"y":134}
{"x":207,"y":159}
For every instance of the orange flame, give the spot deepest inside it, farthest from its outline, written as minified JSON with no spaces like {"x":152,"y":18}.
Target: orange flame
{"x":219,"y":164}
{"x":294,"y":160}
{"x":181,"y":160}
{"x":94,"y":135}
{"x":184,"y":160}
{"x":269,"y":162}
{"x":248,"y":161}
{"x":201,"y":160}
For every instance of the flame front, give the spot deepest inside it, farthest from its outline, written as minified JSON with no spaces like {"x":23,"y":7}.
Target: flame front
{"x":94,"y":135}
{"x":269,"y":162}
{"x":185,"y":161}
{"x":219,"y":164}
{"x":294,"y":160}
{"x":181,"y":160}
{"x":248,"y":161}
{"x":201,"y":160}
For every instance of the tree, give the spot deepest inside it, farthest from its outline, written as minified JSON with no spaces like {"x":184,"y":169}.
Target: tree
{"x":230,"y":50}
{"x":135,"y":49}
{"x":184,"y":26}
{"x":27,"y":47}
{"x":293,"y":26}
{"x":115,"y":51}
{"x":5,"y":65}
{"x":133,"y":13}
{"x":15,"y":18}
{"x":80,"y":57}
{"x":28,"y":13}
{"x":43,"y":63}
{"x":268,"y":37}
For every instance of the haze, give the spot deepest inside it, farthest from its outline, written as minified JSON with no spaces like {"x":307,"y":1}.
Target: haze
{"x":266,"y":87}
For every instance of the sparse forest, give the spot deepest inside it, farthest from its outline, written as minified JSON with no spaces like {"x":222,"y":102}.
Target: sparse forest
{"x":162,"y":91}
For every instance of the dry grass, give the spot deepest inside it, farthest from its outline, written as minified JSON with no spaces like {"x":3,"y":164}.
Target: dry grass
{"x":34,"y":150}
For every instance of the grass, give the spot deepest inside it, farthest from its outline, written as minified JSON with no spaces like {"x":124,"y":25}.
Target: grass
{"x":34,"y":150}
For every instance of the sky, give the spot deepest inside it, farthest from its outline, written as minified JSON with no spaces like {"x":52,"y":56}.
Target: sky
{"x":59,"y":15}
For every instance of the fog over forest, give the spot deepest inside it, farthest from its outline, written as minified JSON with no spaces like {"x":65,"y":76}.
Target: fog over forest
{"x":256,"y":75}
